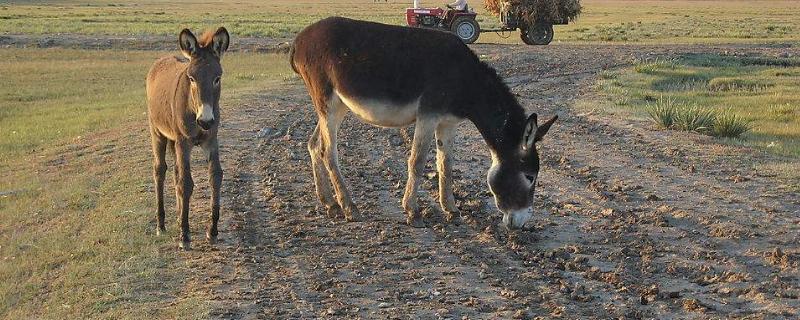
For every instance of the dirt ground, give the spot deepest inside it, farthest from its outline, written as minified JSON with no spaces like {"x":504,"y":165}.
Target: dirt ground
{"x":629,"y":222}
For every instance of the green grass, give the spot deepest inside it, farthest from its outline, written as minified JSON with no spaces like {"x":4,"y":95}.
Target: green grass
{"x":77,"y":205}
{"x":756,"y":98}
{"x":661,"y":21}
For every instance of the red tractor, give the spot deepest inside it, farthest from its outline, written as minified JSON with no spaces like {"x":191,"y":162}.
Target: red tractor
{"x":460,"y":23}
{"x":464,"y":25}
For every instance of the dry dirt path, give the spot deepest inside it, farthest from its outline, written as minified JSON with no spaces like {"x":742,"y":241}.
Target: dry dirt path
{"x":630,"y":222}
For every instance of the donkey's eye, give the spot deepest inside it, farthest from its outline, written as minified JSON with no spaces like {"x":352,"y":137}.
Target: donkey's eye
{"x":530,"y":178}
{"x":191,"y":79}
{"x":216,"y":81}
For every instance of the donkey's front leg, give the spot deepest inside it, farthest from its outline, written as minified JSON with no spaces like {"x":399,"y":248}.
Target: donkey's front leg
{"x":183,"y":188}
{"x":215,"y":177}
{"x":445,"y":133}
{"x":423,"y":133}
{"x":159,"y":144}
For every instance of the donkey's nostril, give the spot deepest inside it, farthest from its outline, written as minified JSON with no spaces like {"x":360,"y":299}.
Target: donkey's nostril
{"x":205,"y":124}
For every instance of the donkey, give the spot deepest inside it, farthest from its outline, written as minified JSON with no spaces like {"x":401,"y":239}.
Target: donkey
{"x":392,"y":76}
{"x":183,"y":111}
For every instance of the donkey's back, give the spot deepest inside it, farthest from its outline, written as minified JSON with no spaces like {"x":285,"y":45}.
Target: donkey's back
{"x":163,"y":76}
{"x":382,"y":62}
{"x":166,"y":95}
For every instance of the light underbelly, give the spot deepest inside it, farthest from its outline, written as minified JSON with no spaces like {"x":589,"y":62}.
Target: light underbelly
{"x":382,"y":113}
{"x":166,"y":132}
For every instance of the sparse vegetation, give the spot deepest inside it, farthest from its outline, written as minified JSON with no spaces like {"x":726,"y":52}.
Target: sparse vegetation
{"x":752,"y":97}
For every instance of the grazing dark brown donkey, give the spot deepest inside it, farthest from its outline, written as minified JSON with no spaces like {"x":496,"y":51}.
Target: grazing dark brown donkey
{"x":392,"y":76}
{"x":183,"y":109}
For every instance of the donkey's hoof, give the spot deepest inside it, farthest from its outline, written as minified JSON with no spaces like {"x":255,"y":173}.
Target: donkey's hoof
{"x":212,"y":239}
{"x":352,"y":216}
{"x":160,"y":231}
{"x":334,"y":211}
{"x":415,"y":221}
{"x":452,"y":216}
{"x":185,"y":245}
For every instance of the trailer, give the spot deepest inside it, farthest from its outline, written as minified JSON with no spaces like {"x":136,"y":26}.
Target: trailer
{"x":463,"y":23}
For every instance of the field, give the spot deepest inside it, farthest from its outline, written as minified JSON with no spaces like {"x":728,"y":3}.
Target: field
{"x":615,"y":21}
{"x":75,"y":211}
{"x":631,"y":220}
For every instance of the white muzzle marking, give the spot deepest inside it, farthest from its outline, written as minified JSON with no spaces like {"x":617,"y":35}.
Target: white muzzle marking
{"x":517,"y":218}
{"x":206,"y":113}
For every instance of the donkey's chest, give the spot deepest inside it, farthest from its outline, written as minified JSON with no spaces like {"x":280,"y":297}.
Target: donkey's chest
{"x":382,"y":113}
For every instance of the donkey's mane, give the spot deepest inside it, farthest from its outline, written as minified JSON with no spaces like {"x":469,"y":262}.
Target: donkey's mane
{"x":206,"y":38}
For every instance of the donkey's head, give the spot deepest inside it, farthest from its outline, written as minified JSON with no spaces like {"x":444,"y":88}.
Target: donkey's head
{"x":204,"y":72}
{"x":512,"y":177}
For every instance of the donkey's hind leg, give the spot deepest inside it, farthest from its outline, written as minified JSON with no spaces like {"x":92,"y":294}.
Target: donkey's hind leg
{"x":423,"y":132}
{"x":329,"y":122}
{"x":322,"y":182}
{"x":159,"y":144}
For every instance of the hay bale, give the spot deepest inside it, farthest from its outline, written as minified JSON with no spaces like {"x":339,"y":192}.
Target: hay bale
{"x":536,"y":10}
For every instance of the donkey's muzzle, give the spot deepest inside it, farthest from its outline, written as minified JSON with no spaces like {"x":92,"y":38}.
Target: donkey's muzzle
{"x":205,"y":124}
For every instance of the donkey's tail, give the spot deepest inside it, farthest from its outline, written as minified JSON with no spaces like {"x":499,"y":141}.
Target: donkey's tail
{"x":291,"y":59}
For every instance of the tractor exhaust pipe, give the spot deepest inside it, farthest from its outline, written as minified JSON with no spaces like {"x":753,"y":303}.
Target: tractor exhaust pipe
{"x":416,"y":4}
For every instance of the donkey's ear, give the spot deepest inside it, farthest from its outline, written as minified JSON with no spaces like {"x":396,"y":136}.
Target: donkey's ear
{"x":188,"y":43}
{"x":220,"y":43}
{"x":542,"y":130}
{"x":529,"y":135}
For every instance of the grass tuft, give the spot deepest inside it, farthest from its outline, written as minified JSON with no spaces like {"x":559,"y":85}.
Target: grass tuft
{"x":663,"y":112}
{"x":668,"y":113}
{"x":652,"y":67}
{"x":730,"y":125}
{"x":783,"y":113}
{"x":694,"y":118}
{"x":737,"y":84}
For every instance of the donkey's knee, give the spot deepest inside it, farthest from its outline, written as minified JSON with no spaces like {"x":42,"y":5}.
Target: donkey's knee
{"x":159,"y":169}
{"x":216,"y":174}
{"x":185,"y":185}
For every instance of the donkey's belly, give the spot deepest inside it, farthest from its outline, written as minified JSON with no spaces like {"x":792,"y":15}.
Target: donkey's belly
{"x":382,"y":113}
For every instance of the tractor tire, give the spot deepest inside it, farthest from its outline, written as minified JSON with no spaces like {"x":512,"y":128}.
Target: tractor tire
{"x":537,"y":34}
{"x":466,"y":29}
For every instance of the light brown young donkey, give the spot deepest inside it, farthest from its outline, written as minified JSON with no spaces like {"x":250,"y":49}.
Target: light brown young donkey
{"x":183,"y":109}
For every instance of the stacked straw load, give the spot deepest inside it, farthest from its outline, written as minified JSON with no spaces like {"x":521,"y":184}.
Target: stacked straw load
{"x":537,"y":10}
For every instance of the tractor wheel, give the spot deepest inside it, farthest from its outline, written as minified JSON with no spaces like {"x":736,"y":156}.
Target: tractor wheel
{"x":466,"y":29}
{"x":538,"y":34}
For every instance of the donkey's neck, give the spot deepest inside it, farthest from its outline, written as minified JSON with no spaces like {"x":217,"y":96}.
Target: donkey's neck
{"x":501,"y":128}
{"x":498,"y":115}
